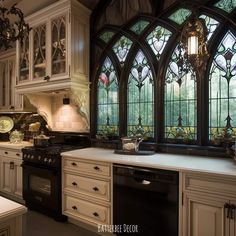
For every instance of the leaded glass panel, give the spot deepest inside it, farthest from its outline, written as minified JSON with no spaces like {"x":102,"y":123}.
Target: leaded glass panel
{"x":226,"y":5}
{"x":180,"y":102}
{"x":180,"y":15}
{"x":140,"y":104}
{"x":106,"y":36}
{"x":122,"y":47}
{"x":211,"y":25}
{"x":158,"y":39}
{"x":222,"y":90}
{"x":108,"y":109}
{"x":139,"y":27}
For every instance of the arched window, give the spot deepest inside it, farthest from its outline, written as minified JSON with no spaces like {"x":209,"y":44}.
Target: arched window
{"x":108,"y":108}
{"x":140,"y":102}
{"x":222,"y":89}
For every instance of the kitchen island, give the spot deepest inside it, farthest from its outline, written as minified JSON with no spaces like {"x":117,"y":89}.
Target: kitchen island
{"x":11,"y":217}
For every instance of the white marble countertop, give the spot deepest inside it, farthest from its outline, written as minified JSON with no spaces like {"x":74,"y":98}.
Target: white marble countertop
{"x":17,"y":146}
{"x":10,"y":209}
{"x":222,"y":166}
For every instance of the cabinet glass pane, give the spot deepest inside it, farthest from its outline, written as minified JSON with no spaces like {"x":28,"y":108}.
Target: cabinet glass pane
{"x":24,"y":59}
{"x":11,"y":80}
{"x":3,"y":83}
{"x":39,"y":54}
{"x":59,"y":45}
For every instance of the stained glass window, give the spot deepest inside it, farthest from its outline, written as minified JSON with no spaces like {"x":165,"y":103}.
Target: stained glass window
{"x":106,"y":36}
{"x":180,"y":102}
{"x":180,"y":15}
{"x":107,"y":113}
{"x":226,"y":5}
{"x":122,"y":47}
{"x":222,"y":89}
{"x":157,"y":40}
{"x":139,"y":27}
{"x":140,"y":104}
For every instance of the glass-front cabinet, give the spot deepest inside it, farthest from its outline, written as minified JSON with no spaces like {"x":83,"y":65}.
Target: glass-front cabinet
{"x":57,"y":47}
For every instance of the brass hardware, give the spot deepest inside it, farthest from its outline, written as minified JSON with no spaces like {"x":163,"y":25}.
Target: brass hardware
{"x":6,"y":153}
{"x":96,"y":214}
{"x":74,"y":183}
{"x":12,"y":165}
{"x":95,"y":189}
{"x":73,"y":164}
{"x":74,"y":208}
{"x":96,"y":168}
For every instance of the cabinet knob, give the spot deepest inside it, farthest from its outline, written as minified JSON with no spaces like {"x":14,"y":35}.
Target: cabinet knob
{"x":95,"y":189}
{"x":47,"y":78}
{"x":74,"y":208}
{"x":96,"y":214}
{"x":74,"y":184}
{"x":96,"y":168}
{"x":6,"y":153}
{"x":18,"y":154}
{"x":73,"y":164}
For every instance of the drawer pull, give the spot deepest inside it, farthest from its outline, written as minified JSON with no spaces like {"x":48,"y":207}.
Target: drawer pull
{"x":73,"y":164}
{"x":6,"y":153}
{"x":74,"y":184}
{"x":18,"y":154}
{"x":74,"y":208}
{"x":96,"y":168}
{"x":95,"y":189}
{"x":96,"y":214}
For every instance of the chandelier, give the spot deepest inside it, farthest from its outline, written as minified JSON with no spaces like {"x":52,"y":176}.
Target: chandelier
{"x":193,"y":48}
{"x":12,"y":26}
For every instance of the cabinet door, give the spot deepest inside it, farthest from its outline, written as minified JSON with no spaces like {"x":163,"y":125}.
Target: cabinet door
{"x":233,"y":219}
{"x":59,"y":45}
{"x":204,"y":216}
{"x":17,"y":179}
{"x":6,"y":175}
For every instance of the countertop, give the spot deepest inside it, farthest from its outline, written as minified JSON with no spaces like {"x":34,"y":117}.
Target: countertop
{"x":10,"y":209}
{"x":18,"y":146}
{"x":177,"y":162}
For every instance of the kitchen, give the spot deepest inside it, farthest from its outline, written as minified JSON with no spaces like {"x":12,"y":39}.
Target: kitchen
{"x":118,"y":117}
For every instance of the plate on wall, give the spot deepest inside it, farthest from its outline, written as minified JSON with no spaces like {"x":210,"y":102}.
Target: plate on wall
{"x":6,"y":124}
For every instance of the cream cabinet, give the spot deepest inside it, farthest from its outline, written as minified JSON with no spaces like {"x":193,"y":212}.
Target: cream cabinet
{"x":9,"y":100}
{"x":208,"y":205}
{"x":56,"y":51}
{"x":11,"y":173}
{"x":87,"y":191}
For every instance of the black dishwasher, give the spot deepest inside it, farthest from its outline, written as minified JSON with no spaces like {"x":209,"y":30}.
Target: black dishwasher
{"x":145,"y":201}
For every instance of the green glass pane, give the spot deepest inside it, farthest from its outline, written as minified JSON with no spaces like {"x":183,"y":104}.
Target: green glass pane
{"x":108,"y":108}
{"x":211,"y":25}
{"x":122,"y":47}
{"x":180,"y":103}
{"x":222,"y":90}
{"x":226,"y":5}
{"x":158,"y":39}
{"x":139,"y":27}
{"x":180,"y":15}
{"x":106,"y":36}
{"x":140,"y":104}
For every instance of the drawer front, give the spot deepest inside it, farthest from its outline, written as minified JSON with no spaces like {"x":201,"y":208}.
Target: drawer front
{"x":86,"y":210}
{"x":86,"y":185}
{"x":10,"y":153}
{"x":209,"y":184}
{"x":88,"y":167}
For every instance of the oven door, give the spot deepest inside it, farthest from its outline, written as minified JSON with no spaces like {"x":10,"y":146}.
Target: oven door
{"x":41,"y":187}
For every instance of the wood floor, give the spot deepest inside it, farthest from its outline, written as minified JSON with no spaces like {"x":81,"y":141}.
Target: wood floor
{"x":36,"y":224}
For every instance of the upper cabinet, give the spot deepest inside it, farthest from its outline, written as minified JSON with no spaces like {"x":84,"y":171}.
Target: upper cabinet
{"x":56,"y":51}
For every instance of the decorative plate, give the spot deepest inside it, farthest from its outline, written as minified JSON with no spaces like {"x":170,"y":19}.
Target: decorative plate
{"x":6,"y":124}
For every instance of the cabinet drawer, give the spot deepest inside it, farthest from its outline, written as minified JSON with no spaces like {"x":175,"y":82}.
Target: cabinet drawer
{"x":10,"y":153}
{"x":88,"y":167}
{"x":210,"y":184}
{"x":92,"y":212}
{"x":86,"y":185}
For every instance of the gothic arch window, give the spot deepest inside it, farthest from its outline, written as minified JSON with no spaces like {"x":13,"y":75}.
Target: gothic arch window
{"x":140,"y":98}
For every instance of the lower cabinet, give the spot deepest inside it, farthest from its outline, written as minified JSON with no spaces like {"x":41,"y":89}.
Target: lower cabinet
{"x":86,"y":187}
{"x":208,"y":208}
{"x":11,"y":175}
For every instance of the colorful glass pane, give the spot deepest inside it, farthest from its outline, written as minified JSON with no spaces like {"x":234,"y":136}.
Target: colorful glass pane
{"x":222,"y":90}
{"x":158,"y":39}
{"x":226,"y":5}
{"x":180,"y":15}
{"x":211,"y":25}
{"x":108,"y":109}
{"x":139,"y":27}
{"x":122,"y":47}
{"x":140,"y":104}
{"x":106,"y":36}
{"x":180,"y":103}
